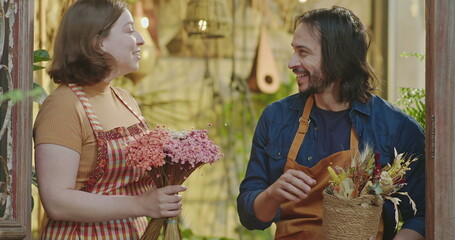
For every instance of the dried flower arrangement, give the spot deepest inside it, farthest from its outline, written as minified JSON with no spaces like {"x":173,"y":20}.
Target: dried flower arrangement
{"x":367,"y":184}
{"x":170,"y":157}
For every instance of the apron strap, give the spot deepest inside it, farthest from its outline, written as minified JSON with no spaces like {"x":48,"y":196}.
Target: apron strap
{"x":136,"y":114}
{"x":354,"y":140}
{"x":94,"y":122}
{"x":354,"y":143}
{"x":304,"y":123}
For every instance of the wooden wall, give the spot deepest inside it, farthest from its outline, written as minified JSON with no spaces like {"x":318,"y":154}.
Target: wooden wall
{"x":440,"y":132}
{"x":18,"y":51}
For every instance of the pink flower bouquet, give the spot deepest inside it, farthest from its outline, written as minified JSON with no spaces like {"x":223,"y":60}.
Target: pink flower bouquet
{"x":170,"y":157}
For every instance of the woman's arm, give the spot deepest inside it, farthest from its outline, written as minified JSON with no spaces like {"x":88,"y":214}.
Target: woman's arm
{"x":408,"y":234}
{"x":56,"y":169}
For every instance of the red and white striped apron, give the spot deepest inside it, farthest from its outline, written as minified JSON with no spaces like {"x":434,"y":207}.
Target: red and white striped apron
{"x":112,"y":176}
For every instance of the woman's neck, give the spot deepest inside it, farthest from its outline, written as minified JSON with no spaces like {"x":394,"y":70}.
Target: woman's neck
{"x":98,"y":88}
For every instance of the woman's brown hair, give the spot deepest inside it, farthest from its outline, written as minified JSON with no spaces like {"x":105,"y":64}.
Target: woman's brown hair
{"x":78,"y":57}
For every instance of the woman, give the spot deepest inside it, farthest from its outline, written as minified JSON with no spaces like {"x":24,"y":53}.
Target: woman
{"x":86,"y":187}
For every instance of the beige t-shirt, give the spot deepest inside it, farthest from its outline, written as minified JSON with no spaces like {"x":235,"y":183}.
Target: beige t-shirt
{"x":63,"y":121}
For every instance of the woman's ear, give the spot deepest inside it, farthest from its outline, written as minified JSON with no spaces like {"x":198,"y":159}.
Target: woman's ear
{"x":102,"y":45}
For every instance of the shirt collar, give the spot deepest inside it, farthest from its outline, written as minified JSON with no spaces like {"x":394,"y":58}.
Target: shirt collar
{"x":298,"y":102}
{"x":364,"y":108}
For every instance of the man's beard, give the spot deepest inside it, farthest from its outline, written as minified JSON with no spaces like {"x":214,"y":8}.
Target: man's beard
{"x":317,"y":83}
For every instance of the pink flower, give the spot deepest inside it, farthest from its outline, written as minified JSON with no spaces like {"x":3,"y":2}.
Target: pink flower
{"x":169,"y":157}
{"x":160,"y":145}
{"x":147,"y":151}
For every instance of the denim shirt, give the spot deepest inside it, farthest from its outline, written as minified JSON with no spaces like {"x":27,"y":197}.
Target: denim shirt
{"x":377,"y":123}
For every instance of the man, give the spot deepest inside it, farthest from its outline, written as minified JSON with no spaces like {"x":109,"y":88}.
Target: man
{"x":334,"y":114}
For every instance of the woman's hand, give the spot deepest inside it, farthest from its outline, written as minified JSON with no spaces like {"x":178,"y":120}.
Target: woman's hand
{"x":162,"y":202}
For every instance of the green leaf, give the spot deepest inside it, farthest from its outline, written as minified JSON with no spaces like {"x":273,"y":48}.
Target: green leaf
{"x":34,"y":180}
{"x":36,"y":67}
{"x":41,"y":56}
{"x":419,"y":56}
{"x":38,"y":93}
{"x":412,"y":101}
{"x":14,"y":96}
{"x":376,"y":188}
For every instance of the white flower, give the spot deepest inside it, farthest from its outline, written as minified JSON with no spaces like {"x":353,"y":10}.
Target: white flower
{"x":386,"y":179}
{"x":178,"y":134}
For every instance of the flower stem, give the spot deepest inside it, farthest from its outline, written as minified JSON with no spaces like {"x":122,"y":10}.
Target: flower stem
{"x":172,"y":231}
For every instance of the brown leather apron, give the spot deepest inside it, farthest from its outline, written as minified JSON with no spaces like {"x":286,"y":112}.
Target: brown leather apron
{"x":303,"y":220}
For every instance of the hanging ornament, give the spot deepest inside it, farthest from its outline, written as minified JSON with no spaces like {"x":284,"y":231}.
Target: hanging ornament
{"x":264,"y":75}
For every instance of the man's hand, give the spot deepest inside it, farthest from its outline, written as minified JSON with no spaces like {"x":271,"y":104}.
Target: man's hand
{"x":293,"y":185}
{"x":405,"y":234}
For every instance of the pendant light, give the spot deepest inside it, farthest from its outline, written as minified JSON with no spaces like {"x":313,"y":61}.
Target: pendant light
{"x":207,"y":19}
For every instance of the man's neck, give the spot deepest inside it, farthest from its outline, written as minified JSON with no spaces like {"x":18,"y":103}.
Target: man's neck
{"x":329,"y":100}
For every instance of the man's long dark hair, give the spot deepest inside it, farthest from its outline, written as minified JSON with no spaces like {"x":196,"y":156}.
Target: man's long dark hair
{"x":344,"y":44}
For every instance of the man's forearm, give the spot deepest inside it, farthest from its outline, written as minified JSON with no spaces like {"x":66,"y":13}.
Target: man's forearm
{"x":265,"y":208}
